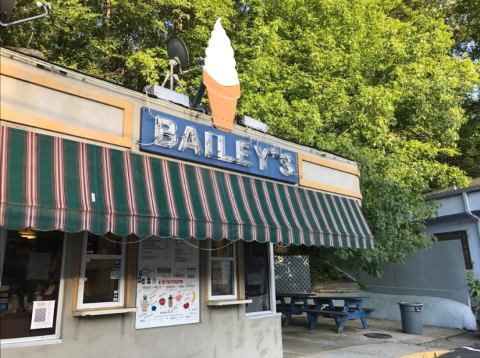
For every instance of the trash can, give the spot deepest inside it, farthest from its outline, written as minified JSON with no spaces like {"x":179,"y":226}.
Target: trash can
{"x":411,"y":317}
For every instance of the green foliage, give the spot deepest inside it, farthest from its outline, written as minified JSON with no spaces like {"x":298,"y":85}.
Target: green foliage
{"x":469,"y":142}
{"x":465,"y":21}
{"x":473,"y":285}
{"x":371,"y":80}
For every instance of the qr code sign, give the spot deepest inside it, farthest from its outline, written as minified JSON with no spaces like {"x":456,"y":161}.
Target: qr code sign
{"x":40,"y":314}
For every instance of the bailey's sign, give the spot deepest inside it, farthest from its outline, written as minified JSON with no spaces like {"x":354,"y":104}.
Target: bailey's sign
{"x":165,"y":134}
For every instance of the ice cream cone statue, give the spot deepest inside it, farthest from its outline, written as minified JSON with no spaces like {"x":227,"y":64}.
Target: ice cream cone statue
{"x":221,"y":78}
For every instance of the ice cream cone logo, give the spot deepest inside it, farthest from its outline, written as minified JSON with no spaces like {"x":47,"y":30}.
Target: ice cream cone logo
{"x":221,"y":78}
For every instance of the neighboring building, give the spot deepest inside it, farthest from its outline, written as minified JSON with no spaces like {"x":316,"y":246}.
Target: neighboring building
{"x":109,"y":202}
{"x":459,"y":219}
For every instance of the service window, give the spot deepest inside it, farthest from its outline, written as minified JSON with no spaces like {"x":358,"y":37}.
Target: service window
{"x":31,"y":286}
{"x":259,"y":279}
{"x":222,"y":270}
{"x":102,"y":272}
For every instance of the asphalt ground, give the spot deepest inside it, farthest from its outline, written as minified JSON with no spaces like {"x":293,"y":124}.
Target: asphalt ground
{"x":325,"y":342}
{"x":471,"y":351}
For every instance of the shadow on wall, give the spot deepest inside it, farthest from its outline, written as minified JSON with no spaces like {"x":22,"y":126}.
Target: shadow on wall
{"x":436,"y":272}
{"x":292,"y":273}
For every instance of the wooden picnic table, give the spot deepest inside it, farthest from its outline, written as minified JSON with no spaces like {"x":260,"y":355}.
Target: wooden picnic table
{"x":352,"y":308}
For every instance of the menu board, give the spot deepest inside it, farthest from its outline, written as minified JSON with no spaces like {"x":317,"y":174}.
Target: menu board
{"x":168,"y":282}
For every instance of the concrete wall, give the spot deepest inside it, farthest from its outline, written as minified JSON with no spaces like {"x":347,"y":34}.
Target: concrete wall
{"x":438,"y":272}
{"x":471,"y":227}
{"x":222,"y":332}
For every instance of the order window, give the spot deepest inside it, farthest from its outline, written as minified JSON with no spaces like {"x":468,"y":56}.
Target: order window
{"x":31,"y":284}
{"x":102,"y":272}
{"x":258,"y":277}
{"x":222,"y":270}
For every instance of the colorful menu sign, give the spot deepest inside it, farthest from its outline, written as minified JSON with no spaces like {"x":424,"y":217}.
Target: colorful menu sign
{"x":162,"y":133}
{"x":168,"y":283}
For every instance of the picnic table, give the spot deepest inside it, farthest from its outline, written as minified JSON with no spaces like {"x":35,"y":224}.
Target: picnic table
{"x":298,"y":300}
{"x":352,"y":308}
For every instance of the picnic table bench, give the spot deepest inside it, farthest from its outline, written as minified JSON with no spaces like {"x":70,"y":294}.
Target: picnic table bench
{"x":352,"y":308}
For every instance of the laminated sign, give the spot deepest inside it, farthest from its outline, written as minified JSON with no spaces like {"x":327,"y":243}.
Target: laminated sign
{"x":167,"y":283}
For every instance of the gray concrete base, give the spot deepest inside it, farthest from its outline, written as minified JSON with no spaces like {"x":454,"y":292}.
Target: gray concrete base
{"x":324,"y":342}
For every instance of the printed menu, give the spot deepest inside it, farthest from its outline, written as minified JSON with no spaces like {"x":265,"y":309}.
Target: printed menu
{"x":168,"y":280}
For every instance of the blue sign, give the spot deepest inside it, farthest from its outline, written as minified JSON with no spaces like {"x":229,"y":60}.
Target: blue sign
{"x":162,"y":133}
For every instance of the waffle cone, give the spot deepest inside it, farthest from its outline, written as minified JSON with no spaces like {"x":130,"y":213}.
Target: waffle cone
{"x":223,"y":102}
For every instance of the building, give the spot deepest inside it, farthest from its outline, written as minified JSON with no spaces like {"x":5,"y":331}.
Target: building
{"x":109,"y":202}
{"x":459,"y":219}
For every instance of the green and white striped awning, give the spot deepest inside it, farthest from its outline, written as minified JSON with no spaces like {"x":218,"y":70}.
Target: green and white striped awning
{"x":50,"y":183}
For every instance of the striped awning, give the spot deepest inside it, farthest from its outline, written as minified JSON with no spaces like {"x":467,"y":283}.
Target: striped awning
{"x":50,"y":183}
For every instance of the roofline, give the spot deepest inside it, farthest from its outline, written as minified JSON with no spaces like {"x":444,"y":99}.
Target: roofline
{"x":65,"y":70}
{"x":451,"y":193}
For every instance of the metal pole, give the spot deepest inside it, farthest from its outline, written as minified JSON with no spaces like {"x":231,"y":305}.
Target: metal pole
{"x":171,"y":77}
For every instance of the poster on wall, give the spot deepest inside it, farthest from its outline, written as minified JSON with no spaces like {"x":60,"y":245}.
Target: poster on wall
{"x":168,"y":282}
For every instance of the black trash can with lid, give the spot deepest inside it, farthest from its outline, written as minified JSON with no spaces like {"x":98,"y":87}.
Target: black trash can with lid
{"x":411,"y":313}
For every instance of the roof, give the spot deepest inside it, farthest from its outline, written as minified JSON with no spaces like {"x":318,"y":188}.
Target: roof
{"x":452,"y":190}
{"x":64,"y":71}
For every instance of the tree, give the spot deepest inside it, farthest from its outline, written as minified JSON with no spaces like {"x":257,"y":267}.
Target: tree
{"x":465,"y":22}
{"x":469,"y":142}
{"x":355,"y":78}
{"x":372,"y":80}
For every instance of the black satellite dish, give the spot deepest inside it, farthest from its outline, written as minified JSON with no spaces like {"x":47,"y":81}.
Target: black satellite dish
{"x":6,"y":7}
{"x":176,"y":50}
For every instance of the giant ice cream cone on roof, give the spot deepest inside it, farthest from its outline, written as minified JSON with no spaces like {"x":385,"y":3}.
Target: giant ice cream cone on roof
{"x":221,"y":78}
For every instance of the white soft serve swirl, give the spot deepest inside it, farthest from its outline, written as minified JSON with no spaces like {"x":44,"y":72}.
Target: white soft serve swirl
{"x":219,"y":59}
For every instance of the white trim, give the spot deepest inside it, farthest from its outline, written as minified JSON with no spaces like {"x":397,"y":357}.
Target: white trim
{"x":227,"y":302}
{"x":104,"y":312}
{"x":271,"y":267}
{"x":32,"y":343}
{"x":232,"y":259}
{"x":52,"y":338}
{"x":266,"y":314}
{"x":3,"y":247}
{"x":258,"y":313}
{"x":81,"y":279}
{"x":271,"y":279}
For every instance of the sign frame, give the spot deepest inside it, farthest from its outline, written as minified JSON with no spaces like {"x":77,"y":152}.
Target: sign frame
{"x":165,"y":134}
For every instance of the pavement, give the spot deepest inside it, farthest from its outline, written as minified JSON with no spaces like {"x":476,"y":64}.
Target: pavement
{"x":325,"y":342}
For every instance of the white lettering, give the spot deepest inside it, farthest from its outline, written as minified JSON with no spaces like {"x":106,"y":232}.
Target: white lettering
{"x":243,"y":151}
{"x":169,"y":131}
{"x":190,"y":140}
{"x":262,"y":156}
{"x":208,"y":144}
{"x":221,"y":150}
{"x":287,"y":168}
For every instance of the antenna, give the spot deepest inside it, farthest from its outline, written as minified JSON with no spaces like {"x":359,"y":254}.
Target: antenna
{"x":178,"y":57}
{"x":6,"y":7}
{"x":178,"y":61}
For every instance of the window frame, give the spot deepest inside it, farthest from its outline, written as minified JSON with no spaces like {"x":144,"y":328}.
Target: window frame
{"x":81,"y":306}
{"x":271,"y":278}
{"x":233,"y":259}
{"x":462,"y":236}
{"x":47,"y":339}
